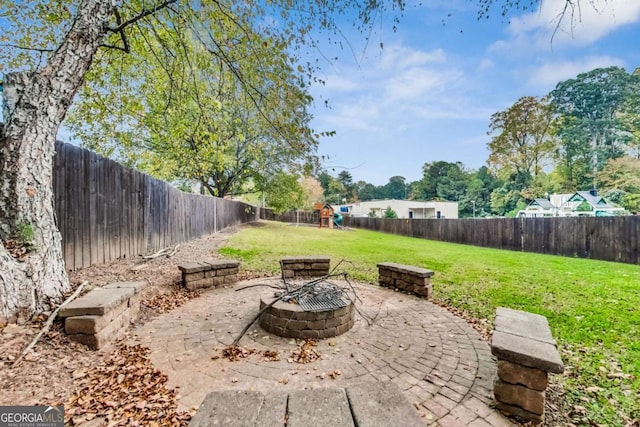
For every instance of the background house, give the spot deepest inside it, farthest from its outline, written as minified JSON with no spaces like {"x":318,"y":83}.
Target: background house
{"x":580,"y":203}
{"x":403,"y":208}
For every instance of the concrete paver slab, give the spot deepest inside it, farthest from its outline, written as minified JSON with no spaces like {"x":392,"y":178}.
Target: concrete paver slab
{"x":536,"y":354}
{"x":375,"y":404}
{"x":310,"y":409}
{"x":97,"y":302}
{"x":229,"y":409}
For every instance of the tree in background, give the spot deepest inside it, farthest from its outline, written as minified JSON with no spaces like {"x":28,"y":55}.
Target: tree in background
{"x":442,"y":180}
{"x":348,"y":188}
{"x":478,"y":193}
{"x":620,"y":182}
{"x":334,"y":190}
{"x":592,"y":128}
{"x":389,"y":213}
{"x":312,"y":191}
{"x":396,"y":188}
{"x":366,"y":191}
{"x":522,"y":144}
{"x":285,"y":192}
{"x":190,"y":119}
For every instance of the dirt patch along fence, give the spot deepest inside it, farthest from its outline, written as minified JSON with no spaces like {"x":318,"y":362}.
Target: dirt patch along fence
{"x":107,"y":211}
{"x":604,"y":238}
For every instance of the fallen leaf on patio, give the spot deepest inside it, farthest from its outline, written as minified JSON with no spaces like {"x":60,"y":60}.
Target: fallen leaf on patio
{"x":235,"y":353}
{"x":167,"y":301}
{"x":125,"y":386}
{"x":433,"y":379}
{"x":270,"y":355}
{"x":334,"y":374}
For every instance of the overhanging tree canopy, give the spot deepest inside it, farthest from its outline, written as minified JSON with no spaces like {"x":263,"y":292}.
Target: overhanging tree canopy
{"x":45,"y":64}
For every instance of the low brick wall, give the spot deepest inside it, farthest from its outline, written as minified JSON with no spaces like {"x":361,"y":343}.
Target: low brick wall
{"x":526,"y":354}
{"x":305,"y":266}
{"x":406,"y":277}
{"x":207,"y":274}
{"x":289,"y":320}
{"x":102,"y":315}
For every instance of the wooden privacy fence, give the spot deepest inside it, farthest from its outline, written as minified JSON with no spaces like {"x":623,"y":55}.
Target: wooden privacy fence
{"x":106,"y":211}
{"x":304,"y":217}
{"x":604,"y":238}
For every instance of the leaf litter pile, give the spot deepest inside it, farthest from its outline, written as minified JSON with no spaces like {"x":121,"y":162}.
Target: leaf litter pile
{"x":167,"y":301}
{"x":125,"y":389}
{"x":235,"y":353}
{"x":306,"y":352}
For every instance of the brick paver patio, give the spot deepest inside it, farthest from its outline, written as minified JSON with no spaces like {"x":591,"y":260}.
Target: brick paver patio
{"x":441,"y":363}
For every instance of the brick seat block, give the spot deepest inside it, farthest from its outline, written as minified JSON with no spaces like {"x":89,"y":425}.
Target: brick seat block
{"x":100,"y":316}
{"x":526,"y":353}
{"x":401,"y":268}
{"x":305,"y":259}
{"x":406,"y":277}
{"x":196,"y":267}
{"x":97,"y":302}
{"x":305,"y":266}
{"x":209,"y":273}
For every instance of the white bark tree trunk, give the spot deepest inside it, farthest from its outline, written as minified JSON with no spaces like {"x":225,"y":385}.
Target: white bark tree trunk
{"x":35,"y":105}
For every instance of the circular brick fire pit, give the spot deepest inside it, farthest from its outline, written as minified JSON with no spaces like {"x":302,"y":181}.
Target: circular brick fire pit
{"x":290,"y":320}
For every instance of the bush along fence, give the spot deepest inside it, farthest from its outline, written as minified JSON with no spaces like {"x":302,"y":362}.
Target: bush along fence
{"x":604,"y":238}
{"x":107,"y":211}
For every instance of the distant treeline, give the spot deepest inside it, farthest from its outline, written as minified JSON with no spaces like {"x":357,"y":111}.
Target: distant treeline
{"x":584,"y":134}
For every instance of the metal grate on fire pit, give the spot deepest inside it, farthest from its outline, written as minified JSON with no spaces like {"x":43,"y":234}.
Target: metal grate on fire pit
{"x":321,"y":302}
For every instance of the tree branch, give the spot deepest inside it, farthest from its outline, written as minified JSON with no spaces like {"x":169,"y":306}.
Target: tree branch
{"x":141,"y":15}
{"x":109,"y":46}
{"x":122,"y":35}
{"x":34,"y":49}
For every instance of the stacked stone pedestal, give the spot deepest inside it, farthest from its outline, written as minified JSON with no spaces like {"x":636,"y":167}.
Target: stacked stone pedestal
{"x":103,"y":314}
{"x":406,"y":277}
{"x":305,"y":266}
{"x":526,"y":354}
{"x":207,"y":274}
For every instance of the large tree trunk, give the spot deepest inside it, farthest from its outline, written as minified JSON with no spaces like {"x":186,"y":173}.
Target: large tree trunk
{"x":35,"y":105}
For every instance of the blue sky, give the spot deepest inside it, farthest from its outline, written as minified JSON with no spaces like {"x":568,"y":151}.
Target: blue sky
{"x":428,"y":94}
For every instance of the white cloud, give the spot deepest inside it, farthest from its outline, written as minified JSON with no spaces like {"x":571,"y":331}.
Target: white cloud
{"x":400,"y":57}
{"x":549,"y":74}
{"x":585,"y":23}
{"x":485,"y":64}
{"x":394,"y":89}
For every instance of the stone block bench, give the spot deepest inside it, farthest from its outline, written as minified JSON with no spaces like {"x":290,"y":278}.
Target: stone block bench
{"x":305,"y":266}
{"x":405,"y":277}
{"x":206,"y":274}
{"x":526,"y":353}
{"x":363,"y":405}
{"x":103,"y":314}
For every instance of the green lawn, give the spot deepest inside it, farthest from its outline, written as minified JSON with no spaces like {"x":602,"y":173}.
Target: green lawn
{"x":593,"y":307}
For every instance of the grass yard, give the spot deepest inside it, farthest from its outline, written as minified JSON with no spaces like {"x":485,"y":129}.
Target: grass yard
{"x":593,"y":307}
